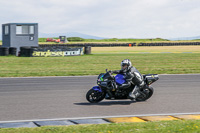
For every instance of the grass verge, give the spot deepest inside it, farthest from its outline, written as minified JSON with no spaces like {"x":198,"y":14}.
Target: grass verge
{"x":94,"y":64}
{"x":179,"y":126}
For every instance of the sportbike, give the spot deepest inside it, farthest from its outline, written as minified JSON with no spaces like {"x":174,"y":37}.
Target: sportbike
{"x":107,"y":88}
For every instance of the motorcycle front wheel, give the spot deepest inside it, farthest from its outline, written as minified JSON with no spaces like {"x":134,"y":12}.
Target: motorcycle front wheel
{"x":94,"y":96}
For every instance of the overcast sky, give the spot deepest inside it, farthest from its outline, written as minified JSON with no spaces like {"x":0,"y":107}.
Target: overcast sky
{"x":107,"y":18}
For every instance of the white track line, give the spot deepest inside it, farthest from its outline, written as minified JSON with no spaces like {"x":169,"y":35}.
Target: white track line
{"x":100,"y":117}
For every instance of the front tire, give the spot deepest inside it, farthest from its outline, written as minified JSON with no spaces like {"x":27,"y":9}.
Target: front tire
{"x":94,"y":96}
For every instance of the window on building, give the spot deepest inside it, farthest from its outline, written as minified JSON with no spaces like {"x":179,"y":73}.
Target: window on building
{"x":19,"y":29}
{"x":24,"y":29}
{"x":6,"y":29}
{"x":31,"y":29}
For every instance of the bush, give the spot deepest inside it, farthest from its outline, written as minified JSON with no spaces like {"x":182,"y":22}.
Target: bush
{"x":75,"y":39}
{"x":42,"y":39}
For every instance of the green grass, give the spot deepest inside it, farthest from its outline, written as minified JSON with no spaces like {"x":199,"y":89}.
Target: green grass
{"x":178,"y":126}
{"x":94,"y":64}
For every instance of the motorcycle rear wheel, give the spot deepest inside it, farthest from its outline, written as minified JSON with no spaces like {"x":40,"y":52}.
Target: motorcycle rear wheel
{"x":141,"y":98}
{"x":94,"y":96}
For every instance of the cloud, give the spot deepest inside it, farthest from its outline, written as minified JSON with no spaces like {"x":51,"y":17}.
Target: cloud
{"x":107,"y":18}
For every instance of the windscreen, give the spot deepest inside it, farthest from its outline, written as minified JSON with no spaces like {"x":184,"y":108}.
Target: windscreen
{"x":107,"y":75}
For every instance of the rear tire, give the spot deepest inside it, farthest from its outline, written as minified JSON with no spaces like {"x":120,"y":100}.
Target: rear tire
{"x":94,"y":96}
{"x":141,"y":98}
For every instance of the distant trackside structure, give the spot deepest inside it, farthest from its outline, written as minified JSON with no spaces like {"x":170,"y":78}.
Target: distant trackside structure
{"x":19,"y":34}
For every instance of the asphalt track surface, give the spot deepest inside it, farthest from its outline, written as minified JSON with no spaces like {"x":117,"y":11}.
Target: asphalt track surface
{"x":64,"y":97}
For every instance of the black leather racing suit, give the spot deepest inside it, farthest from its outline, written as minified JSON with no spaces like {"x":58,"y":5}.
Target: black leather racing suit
{"x":132,"y":76}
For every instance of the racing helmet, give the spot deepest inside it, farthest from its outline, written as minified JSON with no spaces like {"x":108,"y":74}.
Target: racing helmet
{"x":126,"y":62}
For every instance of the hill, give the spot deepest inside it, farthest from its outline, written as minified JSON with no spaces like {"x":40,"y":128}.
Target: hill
{"x":69,"y":34}
{"x":186,"y":38}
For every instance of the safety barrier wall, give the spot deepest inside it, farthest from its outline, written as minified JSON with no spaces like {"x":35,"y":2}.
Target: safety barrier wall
{"x":89,"y":44}
{"x":119,"y":44}
{"x":169,"y":44}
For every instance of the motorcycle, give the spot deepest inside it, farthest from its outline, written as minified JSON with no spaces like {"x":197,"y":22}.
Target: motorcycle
{"x":107,"y":88}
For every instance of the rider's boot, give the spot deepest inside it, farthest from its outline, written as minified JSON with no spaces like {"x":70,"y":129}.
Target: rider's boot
{"x":134,"y":93}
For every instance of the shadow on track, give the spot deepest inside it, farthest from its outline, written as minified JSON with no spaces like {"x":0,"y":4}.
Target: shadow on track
{"x":106,"y":103}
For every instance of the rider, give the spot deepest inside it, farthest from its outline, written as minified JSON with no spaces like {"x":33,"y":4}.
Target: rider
{"x":132,"y":75}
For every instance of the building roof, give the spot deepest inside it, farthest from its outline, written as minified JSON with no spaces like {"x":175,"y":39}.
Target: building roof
{"x":20,"y":24}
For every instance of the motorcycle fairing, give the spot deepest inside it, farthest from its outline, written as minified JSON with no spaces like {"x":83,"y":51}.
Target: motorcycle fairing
{"x":97,"y":88}
{"x":119,"y":78}
{"x":151,"y":78}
